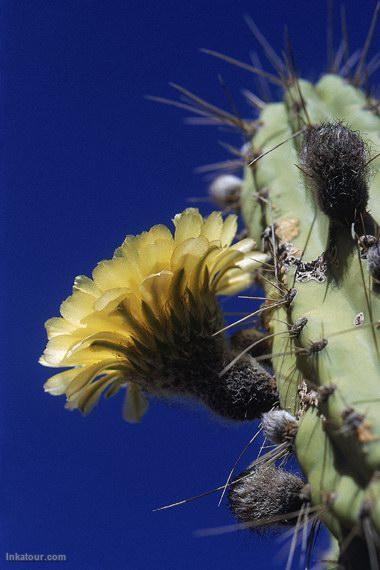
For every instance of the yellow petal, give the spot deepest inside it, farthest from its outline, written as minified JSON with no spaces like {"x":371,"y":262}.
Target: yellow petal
{"x":232,"y":286}
{"x":115,"y":344}
{"x":155,"y":288}
{"x":212,"y":227}
{"x":112,"y":273}
{"x":159,"y":233}
{"x":229,"y":230}
{"x":58,"y":326}
{"x":86,"y":285}
{"x":188,"y":224}
{"x":77,"y":306}
{"x":135,"y":404}
{"x":225,"y":259}
{"x":252,"y":261}
{"x":88,"y":396}
{"x":245,"y":245}
{"x":57,"y":384}
{"x":155,"y":257}
{"x":85,"y":375}
{"x":56,"y":350}
{"x":187,"y":253}
{"x":111,"y":299}
{"x":155,"y":234}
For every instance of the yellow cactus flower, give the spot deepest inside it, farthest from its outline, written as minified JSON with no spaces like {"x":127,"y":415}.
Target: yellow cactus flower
{"x":146,"y":318}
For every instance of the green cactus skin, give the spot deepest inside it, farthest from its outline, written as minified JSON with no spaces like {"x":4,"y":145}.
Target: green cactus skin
{"x":341,"y":465}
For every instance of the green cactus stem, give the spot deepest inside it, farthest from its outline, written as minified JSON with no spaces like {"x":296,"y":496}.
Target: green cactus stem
{"x":335,"y":354}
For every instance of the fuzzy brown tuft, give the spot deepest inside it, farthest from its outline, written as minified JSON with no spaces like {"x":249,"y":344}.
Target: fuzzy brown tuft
{"x":266,"y":493}
{"x":334,"y":159}
{"x":244,"y":393}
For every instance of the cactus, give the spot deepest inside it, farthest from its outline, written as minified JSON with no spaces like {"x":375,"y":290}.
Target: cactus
{"x":310,"y":195}
{"x":316,"y":206}
{"x":337,"y":443}
{"x":338,"y":439}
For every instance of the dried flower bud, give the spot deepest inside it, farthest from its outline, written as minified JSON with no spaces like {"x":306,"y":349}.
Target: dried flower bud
{"x":334,"y":159}
{"x":266,"y":493}
{"x":279,"y":426}
{"x":244,"y":393}
{"x":225,"y":190}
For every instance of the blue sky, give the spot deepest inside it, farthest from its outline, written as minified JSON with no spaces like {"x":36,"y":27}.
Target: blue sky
{"x":87,"y":160}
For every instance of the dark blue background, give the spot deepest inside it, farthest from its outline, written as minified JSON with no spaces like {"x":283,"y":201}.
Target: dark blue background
{"x":86,"y":160}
